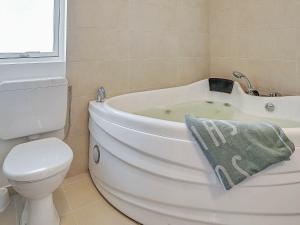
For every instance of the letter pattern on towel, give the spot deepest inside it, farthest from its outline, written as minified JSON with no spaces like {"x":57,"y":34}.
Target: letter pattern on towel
{"x":234,"y":158}
{"x":224,"y":171}
{"x":211,"y":127}
{"x":238,"y":150}
{"x":236,"y":166}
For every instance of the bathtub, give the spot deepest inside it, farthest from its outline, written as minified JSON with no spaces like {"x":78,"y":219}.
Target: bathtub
{"x":153,"y":171}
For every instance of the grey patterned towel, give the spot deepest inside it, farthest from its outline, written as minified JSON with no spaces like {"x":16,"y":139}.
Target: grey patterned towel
{"x":237,"y":150}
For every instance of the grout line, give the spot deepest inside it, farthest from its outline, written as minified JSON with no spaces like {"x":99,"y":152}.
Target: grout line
{"x":77,"y":178}
{"x":68,"y":203}
{"x":16,"y":210}
{"x":67,"y":200}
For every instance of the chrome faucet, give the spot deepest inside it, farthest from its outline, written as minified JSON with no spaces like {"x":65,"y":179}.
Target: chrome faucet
{"x":101,"y":95}
{"x":250,"y":88}
{"x":275,"y":94}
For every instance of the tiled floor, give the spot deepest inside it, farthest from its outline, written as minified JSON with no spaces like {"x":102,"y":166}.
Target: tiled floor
{"x":78,"y":202}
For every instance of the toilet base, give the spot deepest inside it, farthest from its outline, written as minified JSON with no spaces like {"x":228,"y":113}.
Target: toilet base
{"x":40,"y":211}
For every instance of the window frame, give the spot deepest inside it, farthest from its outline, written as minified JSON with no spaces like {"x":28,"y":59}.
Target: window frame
{"x":39,"y":68}
{"x":58,"y":40}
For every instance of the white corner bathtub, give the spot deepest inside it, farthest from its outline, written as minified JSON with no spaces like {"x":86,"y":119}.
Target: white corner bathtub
{"x":153,"y":171}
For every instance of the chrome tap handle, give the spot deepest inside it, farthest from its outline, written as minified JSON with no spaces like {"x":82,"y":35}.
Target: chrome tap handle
{"x":250,"y":88}
{"x":275,"y":94}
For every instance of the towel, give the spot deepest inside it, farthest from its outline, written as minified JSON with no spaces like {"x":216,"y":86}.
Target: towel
{"x":238,"y":150}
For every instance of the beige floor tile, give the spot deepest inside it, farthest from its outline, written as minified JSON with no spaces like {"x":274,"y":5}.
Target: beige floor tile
{"x":81,"y":193}
{"x":67,"y":220}
{"x":61,"y":202}
{"x":101,"y":213}
{"x":76,"y":178}
{"x":9,"y":216}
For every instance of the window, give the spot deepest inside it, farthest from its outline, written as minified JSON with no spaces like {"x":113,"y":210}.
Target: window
{"x":31,"y":29}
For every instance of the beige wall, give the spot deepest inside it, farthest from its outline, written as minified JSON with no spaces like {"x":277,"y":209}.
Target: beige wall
{"x":128,"y":46}
{"x":258,"y":37}
{"x":133,"y":45}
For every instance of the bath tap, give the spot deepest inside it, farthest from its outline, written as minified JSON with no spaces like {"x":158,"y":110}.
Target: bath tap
{"x":101,"y":95}
{"x":275,"y":94}
{"x":250,"y":88}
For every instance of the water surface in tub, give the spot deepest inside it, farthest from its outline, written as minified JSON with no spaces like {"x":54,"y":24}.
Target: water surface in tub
{"x":210,"y":110}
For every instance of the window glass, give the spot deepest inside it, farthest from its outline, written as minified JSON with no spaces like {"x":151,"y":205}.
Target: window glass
{"x":27,"y":26}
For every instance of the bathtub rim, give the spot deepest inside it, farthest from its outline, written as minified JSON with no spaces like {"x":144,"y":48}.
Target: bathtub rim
{"x":165,"y":128}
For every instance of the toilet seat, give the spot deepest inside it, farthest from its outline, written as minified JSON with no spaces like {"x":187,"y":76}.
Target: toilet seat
{"x":37,"y":160}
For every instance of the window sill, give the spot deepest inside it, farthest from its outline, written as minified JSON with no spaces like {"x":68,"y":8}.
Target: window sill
{"x":26,"y":68}
{"x":31,"y":60}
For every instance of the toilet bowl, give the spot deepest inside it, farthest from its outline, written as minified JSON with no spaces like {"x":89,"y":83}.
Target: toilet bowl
{"x":35,"y":170}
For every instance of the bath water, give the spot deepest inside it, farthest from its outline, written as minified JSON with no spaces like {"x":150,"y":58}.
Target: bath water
{"x":210,"y":110}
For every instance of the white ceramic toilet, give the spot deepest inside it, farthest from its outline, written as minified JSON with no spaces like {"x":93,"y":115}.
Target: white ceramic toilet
{"x":35,"y":170}
{"x":35,"y":109}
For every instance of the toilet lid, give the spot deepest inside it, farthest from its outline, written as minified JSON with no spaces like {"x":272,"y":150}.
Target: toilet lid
{"x":37,"y":160}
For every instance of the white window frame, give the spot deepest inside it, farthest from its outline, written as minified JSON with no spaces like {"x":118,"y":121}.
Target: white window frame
{"x":54,"y":53}
{"x":36,"y":64}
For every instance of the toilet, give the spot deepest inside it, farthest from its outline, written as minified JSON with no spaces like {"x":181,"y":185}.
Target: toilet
{"x":35,"y":170}
{"x":35,"y":110}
